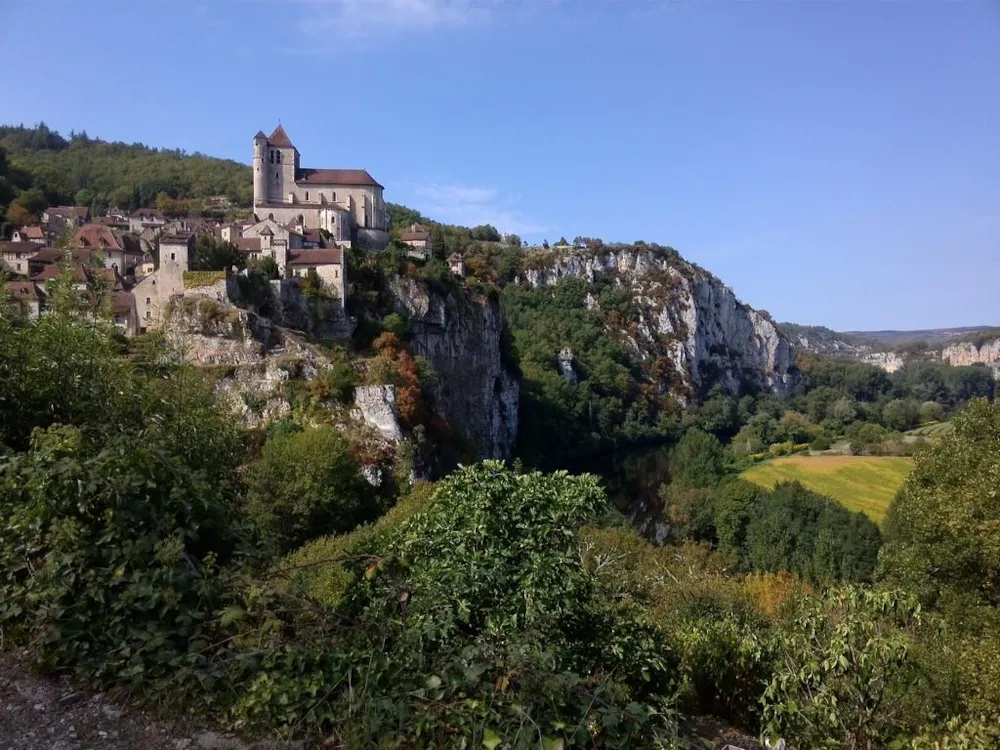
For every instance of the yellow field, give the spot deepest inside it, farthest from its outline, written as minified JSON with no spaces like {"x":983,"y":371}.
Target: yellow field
{"x":862,"y":483}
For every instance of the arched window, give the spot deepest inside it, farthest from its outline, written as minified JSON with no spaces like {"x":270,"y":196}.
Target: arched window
{"x":271,"y":217}
{"x":278,"y":157}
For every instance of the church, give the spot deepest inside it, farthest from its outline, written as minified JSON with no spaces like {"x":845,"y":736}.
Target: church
{"x":347,"y":203}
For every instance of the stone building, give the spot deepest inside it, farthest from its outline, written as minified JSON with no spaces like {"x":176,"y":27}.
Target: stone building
{"x":57,"y":219}
{"x":156,"y":289}
{"x":347,"y":203}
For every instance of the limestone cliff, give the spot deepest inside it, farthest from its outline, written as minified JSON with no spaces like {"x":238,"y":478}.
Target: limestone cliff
{"x":974,"y":353}
{"x":459,"y":334}
{"x":706,"y":332}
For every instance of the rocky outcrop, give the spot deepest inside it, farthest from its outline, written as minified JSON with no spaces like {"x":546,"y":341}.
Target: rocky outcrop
{"x":459,"y":333}
{"x":376,"y":406}
{"x":706,"y":332}
{"x":251,"y":356}
{"x":969,"y":353}
{"x":888,"y":361}
{"x":281,"y":301}
{"x":565,"y":364}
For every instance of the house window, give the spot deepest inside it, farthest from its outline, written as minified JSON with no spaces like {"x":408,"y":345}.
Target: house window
{"x":149,"y":300}
{"x":173,"y":256}
{"x":307,"y":195}
{"x":148,"y":315}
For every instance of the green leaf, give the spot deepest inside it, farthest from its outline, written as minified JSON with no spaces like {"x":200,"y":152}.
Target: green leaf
{"x":491,"y":739}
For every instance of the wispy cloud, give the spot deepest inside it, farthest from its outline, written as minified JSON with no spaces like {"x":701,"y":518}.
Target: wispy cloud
{"x":364,"y":18}
{"x":471,"y":205}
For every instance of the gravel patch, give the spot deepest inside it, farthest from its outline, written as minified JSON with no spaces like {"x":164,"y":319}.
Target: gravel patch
{"x":38,"y":713}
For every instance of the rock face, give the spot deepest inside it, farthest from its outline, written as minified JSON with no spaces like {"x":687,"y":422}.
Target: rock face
{"x":459,"y":333}
{"x":282,"y":302}
{"x":376,"y":406}
{"x":708,"y":334}
{"x":565,"y":364}
{"x":967,"y":353}
{"x":254,"y":358}
{"x":888,"y":361}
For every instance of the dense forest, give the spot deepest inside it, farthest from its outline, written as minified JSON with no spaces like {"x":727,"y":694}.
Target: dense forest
{"x":39,"y":168}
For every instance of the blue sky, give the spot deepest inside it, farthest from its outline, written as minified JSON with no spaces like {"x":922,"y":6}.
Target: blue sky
{"x":836,"y":163}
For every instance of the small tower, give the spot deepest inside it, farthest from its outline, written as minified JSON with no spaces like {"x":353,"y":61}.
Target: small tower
{"x":259,"y":170}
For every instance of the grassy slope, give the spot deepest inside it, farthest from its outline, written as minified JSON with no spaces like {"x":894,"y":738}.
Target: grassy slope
{"x":861,"y":483}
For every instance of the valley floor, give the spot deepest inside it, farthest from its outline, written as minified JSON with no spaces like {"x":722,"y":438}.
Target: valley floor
{"x":861,"y":483}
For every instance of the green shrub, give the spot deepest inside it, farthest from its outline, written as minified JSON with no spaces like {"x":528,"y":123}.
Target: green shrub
{"x":110,"y":552}
{"x":781,"y":449}
{"x":306,"y":485}
{"x":822,"y":443}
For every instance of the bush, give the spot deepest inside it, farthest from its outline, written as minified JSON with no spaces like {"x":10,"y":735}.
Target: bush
{"x":110,"y":552}
{"x":781,"y":449}
{"x":822,"y":443}
{"x":306,"y":485}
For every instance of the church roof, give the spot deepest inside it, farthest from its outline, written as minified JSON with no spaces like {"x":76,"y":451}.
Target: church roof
{"x":280,"y":138}
{"x":260,"y":136}
{"x":335,"y":177}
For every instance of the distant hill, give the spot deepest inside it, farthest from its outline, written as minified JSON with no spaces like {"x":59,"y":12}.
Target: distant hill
{"x":79,"y":170}
{"x":822,"y":340}
{"x":932,"y":337}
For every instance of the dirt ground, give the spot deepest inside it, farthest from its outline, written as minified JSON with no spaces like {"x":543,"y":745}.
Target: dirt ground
{"x":37,"y":713}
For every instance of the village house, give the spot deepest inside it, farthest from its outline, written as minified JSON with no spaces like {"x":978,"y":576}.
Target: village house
{"x":419,"y":241}
{"x":145,"y":218}
{"x":26,"y":299}
{"x":57,"y":219}
{"x":124,"y":314}
{"x":47,"y":255}
{"x":347,"y":203}
{"x":328,"y":264}
{"x":119,"y":250}
{"x":275,"y":241}
{"x":29,"y":234}
{"x":15,"y":256}
{"x":456,"y":264}
{"x":154,"y":291}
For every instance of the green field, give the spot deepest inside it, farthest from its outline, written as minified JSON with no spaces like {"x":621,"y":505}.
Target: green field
{"x":932,"y":430}
{"x":861,"y":483}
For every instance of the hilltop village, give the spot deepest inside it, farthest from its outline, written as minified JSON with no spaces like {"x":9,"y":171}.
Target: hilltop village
{"x":302,"y":222}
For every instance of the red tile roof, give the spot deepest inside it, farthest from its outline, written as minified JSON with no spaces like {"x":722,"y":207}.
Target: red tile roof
{"x":335,"y":177}
{"x":98,"y":237}
{"x":280,"y":138}
{"x":22,"y":290}
{"x":316,"y":258}
{"x":32,"y":233}
{"x":248,"y":244}
{"x":415,"y":233}
{"x":122,"y":302}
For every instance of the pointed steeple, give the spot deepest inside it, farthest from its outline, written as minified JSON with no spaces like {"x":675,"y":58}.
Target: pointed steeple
{"x":280,"y":138}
